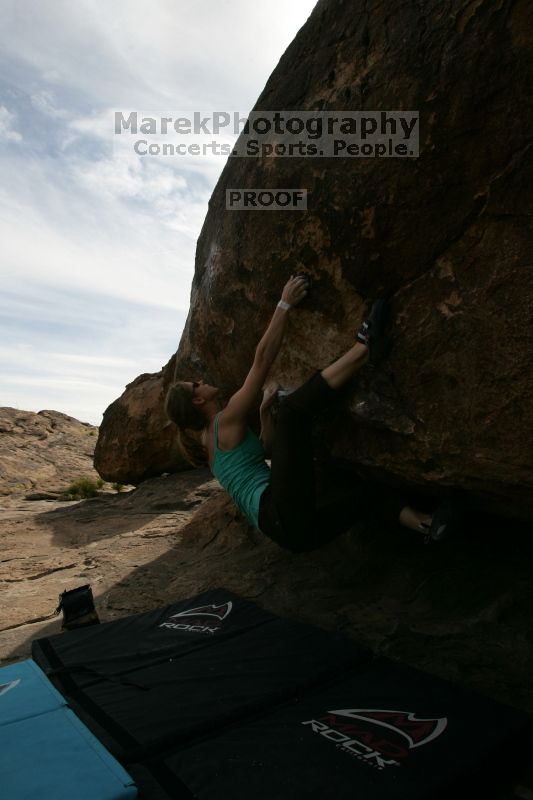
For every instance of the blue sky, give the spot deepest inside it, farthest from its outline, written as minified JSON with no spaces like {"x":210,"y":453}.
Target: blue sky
{"x":97,"y":244}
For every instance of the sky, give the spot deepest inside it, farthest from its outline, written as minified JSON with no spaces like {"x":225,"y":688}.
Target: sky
{"x":97,"y":243}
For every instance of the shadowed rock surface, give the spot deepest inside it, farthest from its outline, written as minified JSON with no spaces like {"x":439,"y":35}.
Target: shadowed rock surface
{"x":446,"y":236}
{"x":460,"y":611}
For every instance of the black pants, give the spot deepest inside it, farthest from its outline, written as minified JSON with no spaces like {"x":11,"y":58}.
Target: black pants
{"x":288,"y":512}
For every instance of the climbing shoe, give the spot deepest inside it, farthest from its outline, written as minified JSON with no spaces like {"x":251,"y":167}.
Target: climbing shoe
{"x":447,"y":519}
{"x":372,"y":332}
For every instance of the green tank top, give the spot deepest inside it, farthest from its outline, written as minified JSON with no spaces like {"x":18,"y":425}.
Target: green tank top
{"x":242,"y":472}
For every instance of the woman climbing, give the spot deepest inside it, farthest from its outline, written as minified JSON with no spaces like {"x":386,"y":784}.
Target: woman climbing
{"x":281,"y":501}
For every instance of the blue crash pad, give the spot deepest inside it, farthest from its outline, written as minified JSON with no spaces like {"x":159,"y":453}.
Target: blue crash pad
{"x":25,"y":691}
{"x":45,"y":750}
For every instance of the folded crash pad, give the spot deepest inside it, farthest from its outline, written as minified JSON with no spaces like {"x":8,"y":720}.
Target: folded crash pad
{"x":213,"y":697}
{"x":25,"y":691}
{"x":387,"y":732}
{"x":45,"y":750}
{"x":152,"y":680}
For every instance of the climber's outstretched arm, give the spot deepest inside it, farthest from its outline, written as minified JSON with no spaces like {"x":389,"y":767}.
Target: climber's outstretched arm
{"x":242,"y":402}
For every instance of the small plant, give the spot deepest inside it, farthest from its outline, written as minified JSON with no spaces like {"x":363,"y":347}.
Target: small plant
{"x":81,"y":489}
{"x":100,"y":482}
{"x":118,"y":487}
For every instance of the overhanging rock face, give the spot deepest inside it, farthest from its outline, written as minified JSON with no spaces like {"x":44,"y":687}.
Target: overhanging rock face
{"x":446,"y":236}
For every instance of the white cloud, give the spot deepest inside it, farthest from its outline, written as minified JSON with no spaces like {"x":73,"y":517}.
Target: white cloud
{"x":218,"y":51}
{"x":76,"y":352}
{"x":7,"y":132}
{"x":98,"y":244}
{"x":83,"y":238}
{"x":45,"y":102}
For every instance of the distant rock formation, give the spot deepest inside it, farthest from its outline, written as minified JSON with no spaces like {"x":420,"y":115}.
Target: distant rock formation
{"x":43,"y":453}
{"x":445,"y":236}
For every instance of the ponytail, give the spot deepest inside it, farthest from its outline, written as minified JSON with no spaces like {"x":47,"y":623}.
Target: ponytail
{"x":191,"y":448}
{"x":190,"y":421}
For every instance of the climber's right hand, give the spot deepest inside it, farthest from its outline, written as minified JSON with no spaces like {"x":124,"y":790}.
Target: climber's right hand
{"x":295,"y":290}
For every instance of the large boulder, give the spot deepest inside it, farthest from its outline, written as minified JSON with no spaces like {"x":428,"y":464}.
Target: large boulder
{"x":136,"y":439}
{"x":446,"y":236}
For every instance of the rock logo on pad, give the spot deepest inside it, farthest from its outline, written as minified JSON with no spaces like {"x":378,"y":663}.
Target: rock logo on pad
{"x":204,"y":619}
{"x":379,"y":737}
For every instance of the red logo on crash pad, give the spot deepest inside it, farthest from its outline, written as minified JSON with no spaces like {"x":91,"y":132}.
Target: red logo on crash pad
{"x":381,"y":738}
{"x":416,"y":731}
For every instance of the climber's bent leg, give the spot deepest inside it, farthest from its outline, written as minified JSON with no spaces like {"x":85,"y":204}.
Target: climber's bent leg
{"x":292,"y":487}
{"x":308,"y":532}
{"x":415,"y":520}
{"x":309,"y":399}
{"x":292,"y":472}
{"x":292,"y":483}
{"x":345,"y":367}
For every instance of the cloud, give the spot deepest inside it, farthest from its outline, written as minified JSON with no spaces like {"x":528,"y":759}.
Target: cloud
{"x":127,"y":230}
{"x":167,"y":54}
{"x":7,"y":132}
{"x":98,"y":244}
{"x":77,"y":351}
{"x":45,"y":102}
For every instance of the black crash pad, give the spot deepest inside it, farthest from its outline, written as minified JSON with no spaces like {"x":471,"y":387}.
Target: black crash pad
{"x":213,"y":698}
{"x":151,"y":680}
{"x":387,"y":732}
